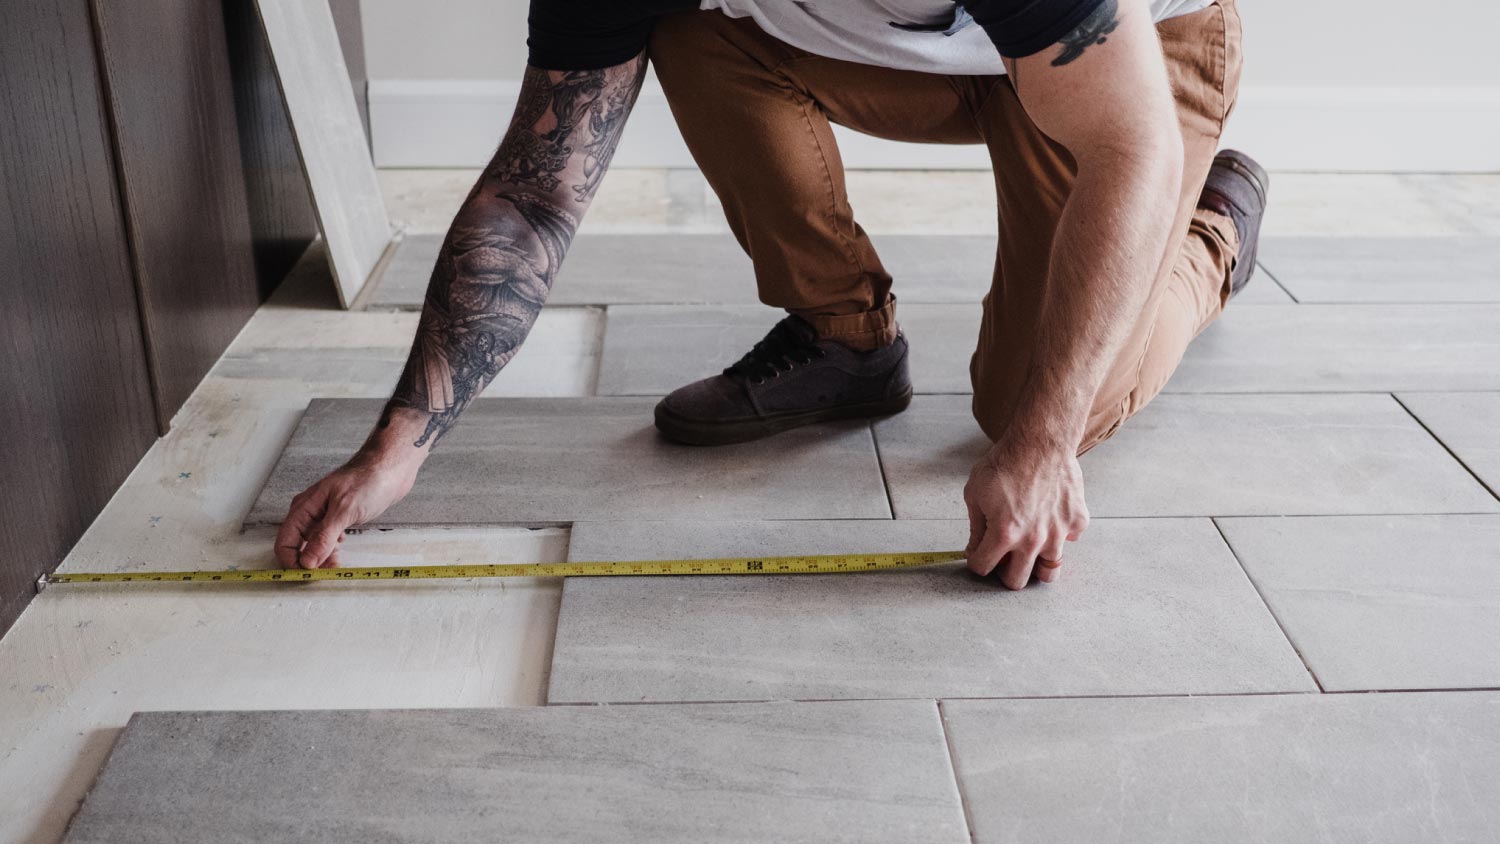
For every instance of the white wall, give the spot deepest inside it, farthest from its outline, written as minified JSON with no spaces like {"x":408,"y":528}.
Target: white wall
{"x":1327,"y":85}
{"x":445,"y":39}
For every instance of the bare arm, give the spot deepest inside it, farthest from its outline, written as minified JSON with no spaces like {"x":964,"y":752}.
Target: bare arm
{"x":506,"y":245}
{"x":1102,"y":93}
{"x":492,"y":277}
{"x":1105,"y":97}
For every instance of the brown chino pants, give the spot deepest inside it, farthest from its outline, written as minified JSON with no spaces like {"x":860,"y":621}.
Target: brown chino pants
{"x":756,"y":115}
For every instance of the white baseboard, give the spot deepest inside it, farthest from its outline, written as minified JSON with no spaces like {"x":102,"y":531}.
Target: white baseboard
{"x":457,"y":123}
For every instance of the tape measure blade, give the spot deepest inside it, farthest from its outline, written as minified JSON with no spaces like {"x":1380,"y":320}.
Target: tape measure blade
{"x":807,"y":564}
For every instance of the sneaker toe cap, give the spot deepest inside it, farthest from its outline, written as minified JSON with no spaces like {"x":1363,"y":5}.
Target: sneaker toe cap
{"x":718,"y":397}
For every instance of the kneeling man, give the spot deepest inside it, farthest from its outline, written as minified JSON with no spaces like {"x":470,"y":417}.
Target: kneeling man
{"x":1122,"y":233}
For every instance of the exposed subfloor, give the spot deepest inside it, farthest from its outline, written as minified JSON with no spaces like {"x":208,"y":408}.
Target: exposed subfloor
{"x":1373,"y":569}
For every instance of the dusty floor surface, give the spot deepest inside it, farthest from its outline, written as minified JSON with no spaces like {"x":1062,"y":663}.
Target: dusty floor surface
{"x":77,"y":664}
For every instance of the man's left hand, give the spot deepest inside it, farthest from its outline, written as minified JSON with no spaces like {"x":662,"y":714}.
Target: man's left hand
{"x":1024,"y":501}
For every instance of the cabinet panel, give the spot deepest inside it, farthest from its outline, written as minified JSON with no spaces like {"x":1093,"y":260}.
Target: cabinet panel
{"x":75,"y":398}
{"x":171,"y":97}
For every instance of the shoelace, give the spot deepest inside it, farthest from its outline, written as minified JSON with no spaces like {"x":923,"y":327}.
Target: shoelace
{"x":782,"y":350}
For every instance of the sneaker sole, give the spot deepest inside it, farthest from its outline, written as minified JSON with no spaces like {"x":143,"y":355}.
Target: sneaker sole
{"x":698,"y":432}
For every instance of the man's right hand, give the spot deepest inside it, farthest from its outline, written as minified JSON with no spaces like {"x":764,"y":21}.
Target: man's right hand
{"x":350,"y":495}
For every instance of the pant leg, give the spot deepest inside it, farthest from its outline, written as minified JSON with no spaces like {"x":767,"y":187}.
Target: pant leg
{"x":755,"y":114}
{"x":1034,"y":177}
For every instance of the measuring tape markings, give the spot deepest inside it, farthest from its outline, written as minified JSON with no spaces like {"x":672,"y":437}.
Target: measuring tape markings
{"x":816,"y":564}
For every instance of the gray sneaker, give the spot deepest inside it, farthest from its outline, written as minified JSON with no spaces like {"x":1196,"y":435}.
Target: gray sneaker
{"x":790,"y":379}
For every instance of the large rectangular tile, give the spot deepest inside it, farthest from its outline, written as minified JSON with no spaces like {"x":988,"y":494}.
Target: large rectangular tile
{"x":651,"y":350}
{"x":1211,"y":455}
{"x":1298,"y":769}
{"x":1382,"y":602}
{"x":335,"y":352}
{"x":1385,"y":269}
{"x":1468,"y":424}
{"x":553,"y":461}
{"x":1143,"y":607}
{"x":704,"y":269}
{"x":810,"y":772}
{"x":1330,"y":348}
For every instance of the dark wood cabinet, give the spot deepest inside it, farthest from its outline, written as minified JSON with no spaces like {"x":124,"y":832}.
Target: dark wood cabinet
{"x":151,"y":197}
{"x":75,"y":398}
{"x":171,"y":104}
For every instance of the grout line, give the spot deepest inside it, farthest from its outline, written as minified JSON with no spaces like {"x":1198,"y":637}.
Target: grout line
{"x":1451,"y":453}
{"x":600,"y":334}
{"x":1276,"y":281}
{"x":1267,"y":604}
{"x":1431,"y":691}
{"x":944,"y":698}
{"x":1290,"y":392}
{"x":885,"y":481}
{"x":958,"y":783}
{"x":856,"y":519}
{"x":546,"y":680}
{"x":1131,"y":696}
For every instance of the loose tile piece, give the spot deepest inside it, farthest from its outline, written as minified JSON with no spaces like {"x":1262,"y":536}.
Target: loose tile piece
{"x":553,"y":461}
{"x":1382,"y":602}
{"x":1214,"y":455}
{"x":712,"y":269}
{"x":1152,"y":606}
{"x":1320,"y":769}
{"x":651,"y":350}
{"x":809,"y":772}
{"x":1381,"y":269}
{"x":1467,"y":424}
{"x":1333,"y":348}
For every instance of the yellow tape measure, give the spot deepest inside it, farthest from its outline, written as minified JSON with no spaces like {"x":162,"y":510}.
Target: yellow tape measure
{"x":820,"y":564}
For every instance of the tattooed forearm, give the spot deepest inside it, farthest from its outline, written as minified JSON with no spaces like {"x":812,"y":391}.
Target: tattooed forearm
{"x":1095,"y":29}
{"x":606,"y":123}
{"x":507,"y":242}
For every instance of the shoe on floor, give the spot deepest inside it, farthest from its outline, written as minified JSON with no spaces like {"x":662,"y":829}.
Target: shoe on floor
{"x":790,"y":379}
{"x":1236,"y":188}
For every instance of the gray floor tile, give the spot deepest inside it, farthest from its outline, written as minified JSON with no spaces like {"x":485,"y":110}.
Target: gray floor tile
{"x":1382,"y":602}
{"x":403,"y":281}
{"x":1144,"y":607}
{"x":810,"y":772}
{"x":651,"y":350}
{"x":1467,"y":423}
{"x":1217,"y":455}
{"x":711,"y":269}
{"x":1331,"y":348}
{"x":554,"y":461}
{"x":1299,"y":769}
{"x":1263,"y":290}
{"x":1416,"y":269}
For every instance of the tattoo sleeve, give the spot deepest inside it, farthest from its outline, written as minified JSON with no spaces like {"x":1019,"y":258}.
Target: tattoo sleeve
{"x":507,"y":242}
{"x":1094,"y":29}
